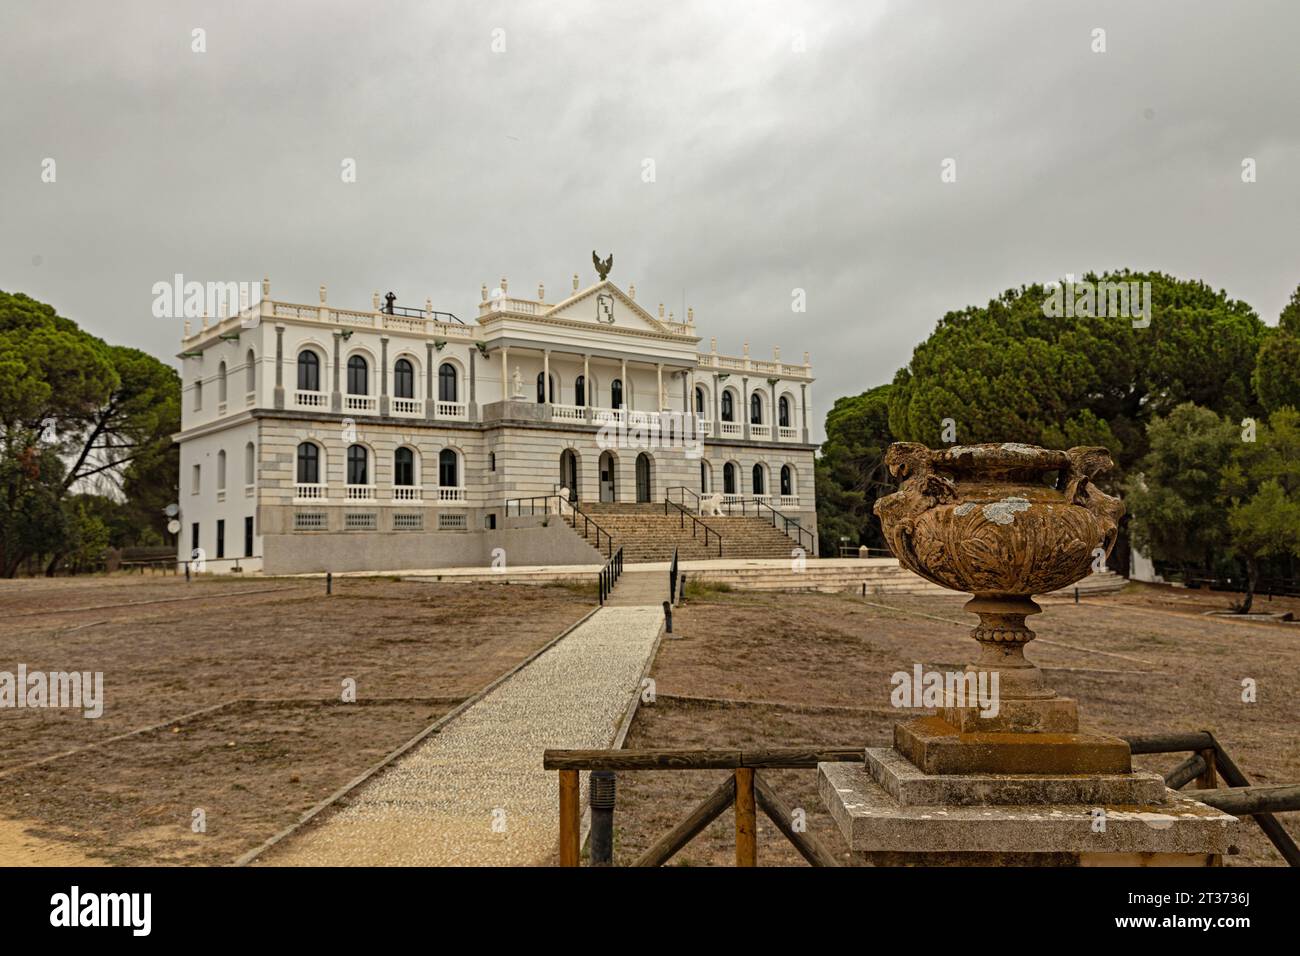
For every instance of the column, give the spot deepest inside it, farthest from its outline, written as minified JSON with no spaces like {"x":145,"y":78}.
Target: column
{"x":505,"y":374}
{"x":659,"y":386}
{"x":803,"y":410}
{"x":430,"y":406}
{"x":717,"y":406}
{"x":383,"y":375}
{"x":587,"y":396}
{"x":627,"y":386}
{"x":472,"y":408}
{"x":279,"y":366}
{"x":546,"y":380}
{"x":776,"y":420}
{"x":336,"y":399}
{"x":744,"y":406}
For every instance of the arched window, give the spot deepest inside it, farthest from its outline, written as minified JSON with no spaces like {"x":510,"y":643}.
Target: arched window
{"x":221,"y":382}
{"x":446,"y":382}
{"x":403,"y":379}
{"x":728,"y":407}
{"x":308,"y":371}
{"x":250,"y":464}
{"x":358,"y":377}
{"x":787,"y":483}
{"x":699,"y":401}
{"x":358,"y":472}
{"x":308,"y":464}
{"x":755,"y":409}
{"x":616,"y":393}
{"x":580,"y":391}
{"x":541,"y":395}
{"x":448,"y":470}
{"x":783,"y":412}
{"x":198,"y":394}
{"x":704,"y":477}
{"x":221,"y":470}
{"x":728,"y":479}
{"x":404,"y":467}
{"x":250,"y":372}
{"x":758,"y":480}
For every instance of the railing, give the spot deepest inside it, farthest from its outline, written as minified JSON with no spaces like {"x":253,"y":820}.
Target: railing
{"x":408,"y":406}
{"x":311,"y":399}
{"x":683,"y":513}
{"x":785,"y":523}
{"x":743,"y":787}
{"x":451,"y":410}
{"x":703,"y":427}
{"x":786,"y":433}
{"x":360,"y":493}
{"x":408,"y":493}
{"x":760,"y":431}
{"x":610,"y":574}
{"x":1207,"y":762}
{"x":672,"y":581}
{"x":747,"y":791}
{"x":561,"y":503}
{"x":420,"y":313}
{"x":449,"y":495}
{"x":730,"y":429}
{"x":569,"y":413}
{"x":310,"y":492}
{"x":360,"y":403}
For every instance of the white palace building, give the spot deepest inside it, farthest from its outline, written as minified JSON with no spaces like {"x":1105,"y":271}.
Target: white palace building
{"x":316,"y":438}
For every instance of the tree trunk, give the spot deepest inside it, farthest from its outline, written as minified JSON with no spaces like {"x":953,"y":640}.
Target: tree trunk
{"x":1252,"y":575}
{"x":53,"y":566}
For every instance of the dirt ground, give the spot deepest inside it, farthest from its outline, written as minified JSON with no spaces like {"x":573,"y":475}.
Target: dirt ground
{"x":265,"y":660}
{"x":814,"y":669}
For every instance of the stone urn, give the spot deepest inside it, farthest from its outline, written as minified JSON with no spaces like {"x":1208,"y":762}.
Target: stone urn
{"x":1002,"y":522}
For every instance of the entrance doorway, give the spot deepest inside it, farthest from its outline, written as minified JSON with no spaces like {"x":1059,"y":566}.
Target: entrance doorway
{"x":569,"y":473}
{"x":643,"y":478}
{"x":607,"y":471}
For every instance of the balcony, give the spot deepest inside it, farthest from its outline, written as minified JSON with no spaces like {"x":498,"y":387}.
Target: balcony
{"x":407,"y":493}
{"x":731,"y":430}
{"x":454,"y":410}
{"x":568,"y":413}
{"x":451,"y":495}
{"x":360,"y":403}
{"x":311,"y":399}
{"x":309,"y":493}
{"x":760,"y":432}
{"x":409,"y":407}
{"x":788,"y":501}
{"x":786,"y":433}
{"x":360,"y":493}
{"x":704,"y":427}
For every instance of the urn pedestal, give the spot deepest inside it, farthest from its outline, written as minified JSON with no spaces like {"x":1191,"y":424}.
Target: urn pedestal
{"x":1023,"y":785}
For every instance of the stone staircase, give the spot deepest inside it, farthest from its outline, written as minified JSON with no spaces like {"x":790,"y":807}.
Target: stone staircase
{"x":647,"y":534}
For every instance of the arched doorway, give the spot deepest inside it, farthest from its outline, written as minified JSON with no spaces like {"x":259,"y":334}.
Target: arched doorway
{"x":569,"y":472}
{"x":608,"y":469}
{"x":643,"y":478}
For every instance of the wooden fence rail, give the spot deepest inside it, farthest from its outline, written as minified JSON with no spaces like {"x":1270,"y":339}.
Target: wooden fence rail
{"x":748,"y":792}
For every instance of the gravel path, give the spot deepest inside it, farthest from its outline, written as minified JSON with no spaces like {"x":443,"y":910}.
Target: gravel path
{"x":476,"y":793}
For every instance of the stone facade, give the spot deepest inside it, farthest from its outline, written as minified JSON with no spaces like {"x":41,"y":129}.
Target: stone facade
{"x":395,"y":438}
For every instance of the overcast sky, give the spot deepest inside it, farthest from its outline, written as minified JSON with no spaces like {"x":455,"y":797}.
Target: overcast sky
{"x":795,"y":146}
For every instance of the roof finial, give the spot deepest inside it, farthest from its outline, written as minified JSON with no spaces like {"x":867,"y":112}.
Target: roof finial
{"x":602,"y":265}
{"x":483,"y":291}
{"x":661,"y":311}
{"x":322,"y":293}
{"x":690,"y":316}
{"x":505,"y":286}
{"x":541,"y":292}
{"x":575,"y":282}
{"x":631,"y":291}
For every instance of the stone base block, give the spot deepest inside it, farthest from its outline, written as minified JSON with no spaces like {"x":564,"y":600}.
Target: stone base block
{"x":1057,"y":715}
{"x":936,"y":747}
{"x":881,"y":831}
{"x":911,"y":787}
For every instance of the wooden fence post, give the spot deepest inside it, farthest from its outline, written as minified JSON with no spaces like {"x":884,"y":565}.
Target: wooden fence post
{"x":569,"y":819}
{"x":746,"y":821}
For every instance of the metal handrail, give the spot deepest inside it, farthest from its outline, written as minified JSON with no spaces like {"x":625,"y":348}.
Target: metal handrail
{"x":696,"y":523}
{"x":418,"y":313}
{"x":812,"y":538}
{"x":610,"y":574}
{"x":575,"y":512}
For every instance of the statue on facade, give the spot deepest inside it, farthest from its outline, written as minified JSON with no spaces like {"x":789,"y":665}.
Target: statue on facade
{"x":602,"y":267}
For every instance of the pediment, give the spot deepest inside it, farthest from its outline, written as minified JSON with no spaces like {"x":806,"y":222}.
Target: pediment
{"x":606,"y":304}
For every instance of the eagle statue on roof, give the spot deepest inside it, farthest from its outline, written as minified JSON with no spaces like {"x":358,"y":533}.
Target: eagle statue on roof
{"x":602,"y":267}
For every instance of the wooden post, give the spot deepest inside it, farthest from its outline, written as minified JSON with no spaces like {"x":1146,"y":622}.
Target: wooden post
{"x":746,"y":821}
{"x":569,"y":821}
{"x":1209,"y":780}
